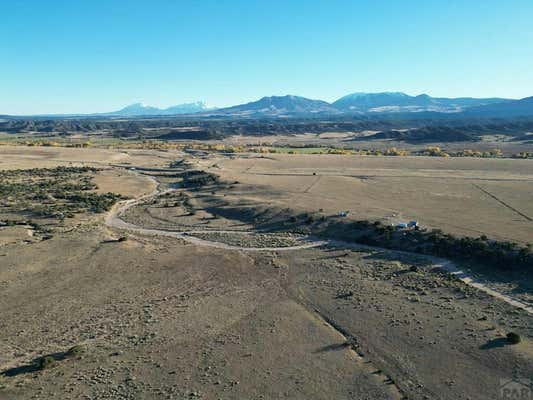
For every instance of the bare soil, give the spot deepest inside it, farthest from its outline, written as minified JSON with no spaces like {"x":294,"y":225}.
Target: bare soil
{"x":161,"y":318}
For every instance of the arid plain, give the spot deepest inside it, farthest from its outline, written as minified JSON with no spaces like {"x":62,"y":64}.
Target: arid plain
{"x":201,"y":294}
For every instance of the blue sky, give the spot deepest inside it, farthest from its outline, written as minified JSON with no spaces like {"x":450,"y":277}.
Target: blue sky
{"x":92,"y":56}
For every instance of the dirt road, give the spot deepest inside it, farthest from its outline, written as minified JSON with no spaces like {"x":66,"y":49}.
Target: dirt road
{"x":114,"y":220}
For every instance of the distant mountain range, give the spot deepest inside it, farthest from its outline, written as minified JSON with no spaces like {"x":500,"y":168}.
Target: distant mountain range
{"x":140,"y":109}
{"x":380,"y":103}
{"x":279,"y":106}
{"x":355,"y":103}
{"x":401,"y":102}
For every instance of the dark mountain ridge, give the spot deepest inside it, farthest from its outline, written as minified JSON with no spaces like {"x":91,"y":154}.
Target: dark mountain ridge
{"x":398,"y":102}
{"x":515,"y":108}
{"x":280,"y":105}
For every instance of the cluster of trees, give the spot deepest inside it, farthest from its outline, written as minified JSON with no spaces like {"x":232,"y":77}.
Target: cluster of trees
{"x":502,"y":255}
{"x":506,"y":255}
{"x":523,"y":154}
{"x":51,"y":143}
{"x":60,"y":171}
{"x":436,"y":151}
{"x":52,"y":192}
{"x":433,"y":151}
{"x":93,"y":202}
{"x":393,"y":151}
{"x":198,"y":179}
{"x":493,"y":153}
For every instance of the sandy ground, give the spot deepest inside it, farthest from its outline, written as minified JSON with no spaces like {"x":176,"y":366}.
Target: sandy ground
{"x":15,"y":234}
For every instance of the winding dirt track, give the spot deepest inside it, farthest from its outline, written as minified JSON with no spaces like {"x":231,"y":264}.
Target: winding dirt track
{"x":113,"y":219}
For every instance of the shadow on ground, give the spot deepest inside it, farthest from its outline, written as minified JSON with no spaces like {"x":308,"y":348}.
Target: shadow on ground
{"x":333,"y":347}
{"x":36,"y":364}
{"x":495,"y":343}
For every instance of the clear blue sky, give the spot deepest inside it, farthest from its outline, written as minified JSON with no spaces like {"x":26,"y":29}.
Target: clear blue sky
{"x":99,"y":55}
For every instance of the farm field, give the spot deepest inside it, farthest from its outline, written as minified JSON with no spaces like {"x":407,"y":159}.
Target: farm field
{"x":196,"y":283}
{"x":467,"y":196}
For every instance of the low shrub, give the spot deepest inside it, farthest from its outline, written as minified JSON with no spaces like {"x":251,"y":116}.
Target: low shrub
{"x":46,"y":362}
{"x":514,"y":338}
{"x":75,"y":351}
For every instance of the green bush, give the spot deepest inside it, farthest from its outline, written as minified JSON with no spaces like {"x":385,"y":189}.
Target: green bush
{"x":46,"y":362}
{"x":75,"y":350}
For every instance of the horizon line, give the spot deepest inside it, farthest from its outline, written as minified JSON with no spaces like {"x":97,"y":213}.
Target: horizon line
{"x":214,"y":107}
